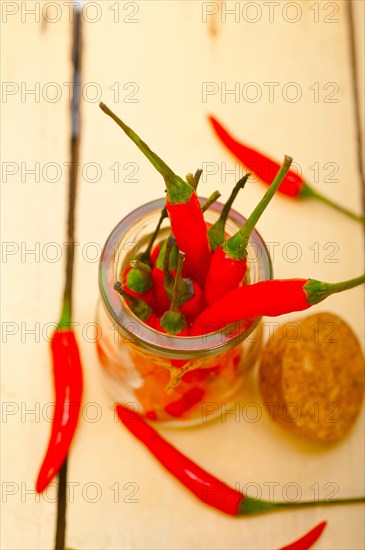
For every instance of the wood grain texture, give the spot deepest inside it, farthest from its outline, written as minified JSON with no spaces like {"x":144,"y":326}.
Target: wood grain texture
{"x":152,"y":72}
{"x":34,"y":57}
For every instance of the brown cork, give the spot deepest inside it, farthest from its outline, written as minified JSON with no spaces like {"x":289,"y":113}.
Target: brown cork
{"x":312,"y":377}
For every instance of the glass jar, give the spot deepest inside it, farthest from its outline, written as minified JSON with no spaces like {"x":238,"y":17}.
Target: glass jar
{"x":179,"y":381}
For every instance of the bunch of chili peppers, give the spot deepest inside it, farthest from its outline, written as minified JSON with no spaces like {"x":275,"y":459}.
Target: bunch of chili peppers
{"x":195,"y":282}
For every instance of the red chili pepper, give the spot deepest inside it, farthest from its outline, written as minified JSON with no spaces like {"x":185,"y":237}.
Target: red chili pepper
{"x":189,"y":229}
{"x":228,"y":265}
{"x":67,"y":373}
{"x":271,"y":298}
{"x":185,"y":213}
{"x":305,"y":542}
{"x":264,"y":167}
{"x":201,"y":483}
{"x":161,"y":299}
{"x":141,"y":309}
{"x":185,"y":403}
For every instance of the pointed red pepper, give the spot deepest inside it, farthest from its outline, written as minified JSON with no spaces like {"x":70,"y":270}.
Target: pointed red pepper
{"x":67,"y":376}
{"x":293,"y":184}
{"x":270,"y":298}
{"x":307,"y":541}
{"x":206,"y":487}
{"x":185,"y":213}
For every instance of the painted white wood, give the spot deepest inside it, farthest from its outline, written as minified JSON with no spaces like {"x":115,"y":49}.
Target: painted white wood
{"x":161,"y":61}
{"x":35,"y":137}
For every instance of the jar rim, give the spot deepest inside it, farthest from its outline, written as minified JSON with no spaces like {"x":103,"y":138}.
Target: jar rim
{"x":137,"y":332}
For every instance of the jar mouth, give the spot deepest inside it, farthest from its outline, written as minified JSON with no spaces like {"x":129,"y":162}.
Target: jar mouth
{"x":123,"y":240}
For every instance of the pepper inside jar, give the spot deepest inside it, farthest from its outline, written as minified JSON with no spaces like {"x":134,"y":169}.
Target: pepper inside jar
{"x":176,"y":380}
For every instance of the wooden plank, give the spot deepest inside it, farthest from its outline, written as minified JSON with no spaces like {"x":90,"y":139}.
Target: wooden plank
{"x":359,"y":19}
{"x":166,"y":58}
{"x":35,"y":56}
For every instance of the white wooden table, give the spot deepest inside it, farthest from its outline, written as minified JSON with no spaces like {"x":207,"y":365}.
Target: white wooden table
{"x":164,"y":66}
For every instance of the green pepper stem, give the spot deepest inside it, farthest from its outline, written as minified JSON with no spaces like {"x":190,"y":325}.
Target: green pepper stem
{"x":178,"y":190}
{"x":190,"y":179}
{"x":255,"y":506}
{"x":145,"y":256}
{"x":118,"y":287}
{"x":137,"y":264}
{"x":170,"y":243}
{"x":216,"y":231}
{"x":175,"y":293}
{"x":210,"y":200}
{"x":168,"y":278}
{"x":236,"y":246}
{"x":140,"y":308}
{"x":65,"y":320}
{"x":317,"y":291}
{"x":197,"y":176}
{"x":173,"y":321}
{"x":308,"y":192}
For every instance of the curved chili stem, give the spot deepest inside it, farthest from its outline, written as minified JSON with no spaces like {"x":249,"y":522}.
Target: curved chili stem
{"x":256,"y":506}
{"x":305,"y":542}
{"x":317,"y":291}
{"x":145,"y":256}
{"x":208,"y":488}
{"x":190,"y":179}
{"x":178,"y":190}
{"x":193,"y":180}
{"x":168,"y":277}
{"x":197,"y":177}
{"x":186,"y":290}
{"x":175,"y":294}
{"x":216,"y":231}
{"x":137,"y":264}
{"x":236,"y":246}
{"x":308,"y":192}
{"x":140,"y":308}
{"x":210,"y":200}
{"x":173,"y":321}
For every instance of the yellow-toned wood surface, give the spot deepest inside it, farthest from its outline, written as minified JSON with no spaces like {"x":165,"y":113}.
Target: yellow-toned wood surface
{"x":278,"y":74}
